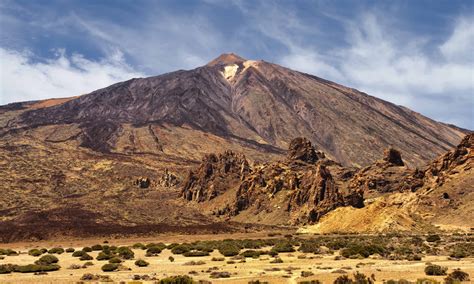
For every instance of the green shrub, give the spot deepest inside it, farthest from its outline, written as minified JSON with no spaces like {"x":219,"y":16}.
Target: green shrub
{"x":88,"y":263}
{"x":229,"y":249}
{"x":195,"y":253}
{"x":456,"y":276}
{"x":47,"y":259}
{"x":309,"y":247}
{"x":6,"y":268}
{"x":87,"y":249}
{"x":86,"y":256}
{"x":56,"y":250}
{"x":78,"y":253}
{"x":162,"y":246}
{"x":433,"y":238}
{"x":283,"y":247}
{"x":252,"y":253}
{"x":96,"y":247}
{"x":141,"y":263}
{"x":139,"y":246}
{"x":35,"y":252}
{"x":171,"y":259}
{"x":364,"y":250}
{"x":103,"y":256}
{"x":125,"y":252}
{"x":181,"y":279}
{"x":433,"y":269}
{"x":70,"y":250}
{"x":115,"y":260}
{"x":8,"y":252}
{"x":180,"y":249}
{"x":35,"y":268}
{"x":109,"y":267}
{"x":153,"y":251}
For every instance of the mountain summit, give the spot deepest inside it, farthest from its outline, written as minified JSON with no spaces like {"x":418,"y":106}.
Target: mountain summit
{"x":248,"y":103}
{"x":226,"y":59}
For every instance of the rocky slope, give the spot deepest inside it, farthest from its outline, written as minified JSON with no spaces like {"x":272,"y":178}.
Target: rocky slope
{"x":254,"y":104}
{"x":443,"y":197}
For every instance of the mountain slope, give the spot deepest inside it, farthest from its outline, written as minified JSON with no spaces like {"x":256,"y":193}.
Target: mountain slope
{"x":255,"y":103}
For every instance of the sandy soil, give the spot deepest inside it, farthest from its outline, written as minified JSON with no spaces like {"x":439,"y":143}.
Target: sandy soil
{"x":323,"y":266}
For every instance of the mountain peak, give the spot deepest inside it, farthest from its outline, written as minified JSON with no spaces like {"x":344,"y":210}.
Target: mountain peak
{"x":226,"y":59}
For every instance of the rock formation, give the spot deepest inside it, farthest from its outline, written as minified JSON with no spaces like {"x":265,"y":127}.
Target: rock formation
{"x":215,"y":174}
{"x":387,"y":175}
{"x":301,"y":185}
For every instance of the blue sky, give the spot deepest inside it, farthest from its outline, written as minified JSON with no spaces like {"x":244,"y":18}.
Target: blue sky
{"x":414,"y":53}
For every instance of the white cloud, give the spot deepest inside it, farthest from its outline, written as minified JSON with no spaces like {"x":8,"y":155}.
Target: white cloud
{"x":23,"y":79}
{"x":460,"y":44}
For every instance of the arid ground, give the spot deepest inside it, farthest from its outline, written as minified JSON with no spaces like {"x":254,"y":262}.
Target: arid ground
{"x":397,"y":258}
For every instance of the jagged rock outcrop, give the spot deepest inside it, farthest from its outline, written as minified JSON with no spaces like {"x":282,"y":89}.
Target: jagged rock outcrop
{"x":215,"y":175}
{"x":301,"y":187}
{"x":168,"y":179}
{"x":458,"y":160}
{"x":387,"y":175}
{"x":301,"y":149}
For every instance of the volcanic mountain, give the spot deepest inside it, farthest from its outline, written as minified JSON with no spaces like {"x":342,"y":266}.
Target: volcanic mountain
{"x":116,"y":160}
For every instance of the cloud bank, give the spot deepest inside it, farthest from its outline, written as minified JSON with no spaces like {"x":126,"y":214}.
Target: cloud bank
{"x":24,"y":79}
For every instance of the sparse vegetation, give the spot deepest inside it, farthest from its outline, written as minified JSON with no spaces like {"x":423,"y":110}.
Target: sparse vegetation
{"x":180,"y":249}
{"x":109,"y":267}
{"x":35,"y":252}
{"x":195,"y":253}
{"x":8,"y":252}
{"x":47,"y":259}
{"x":115,"y":260}
{"x":86,"y":256}
{"x":125,"y":252}
{"x":96,"y":247}
{"x":456,"y":276}
{"x":229,"y":249}
{"x":153,"y":251}
{"x":433,"y":269}
{"x":103,"y":256}
{"x":78,"y":253}
{"x":56,"y":250}
{"x":141,"y":263}
{"x":181,"y":279}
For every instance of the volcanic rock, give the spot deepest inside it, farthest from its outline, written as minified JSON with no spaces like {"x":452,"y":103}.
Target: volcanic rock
{"x":301,"y":149}
{"x":214,"y":175}
{"x":393,"y":157}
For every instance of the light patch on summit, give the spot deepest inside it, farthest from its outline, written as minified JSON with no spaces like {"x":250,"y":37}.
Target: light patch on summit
{"x":230,"y":71}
